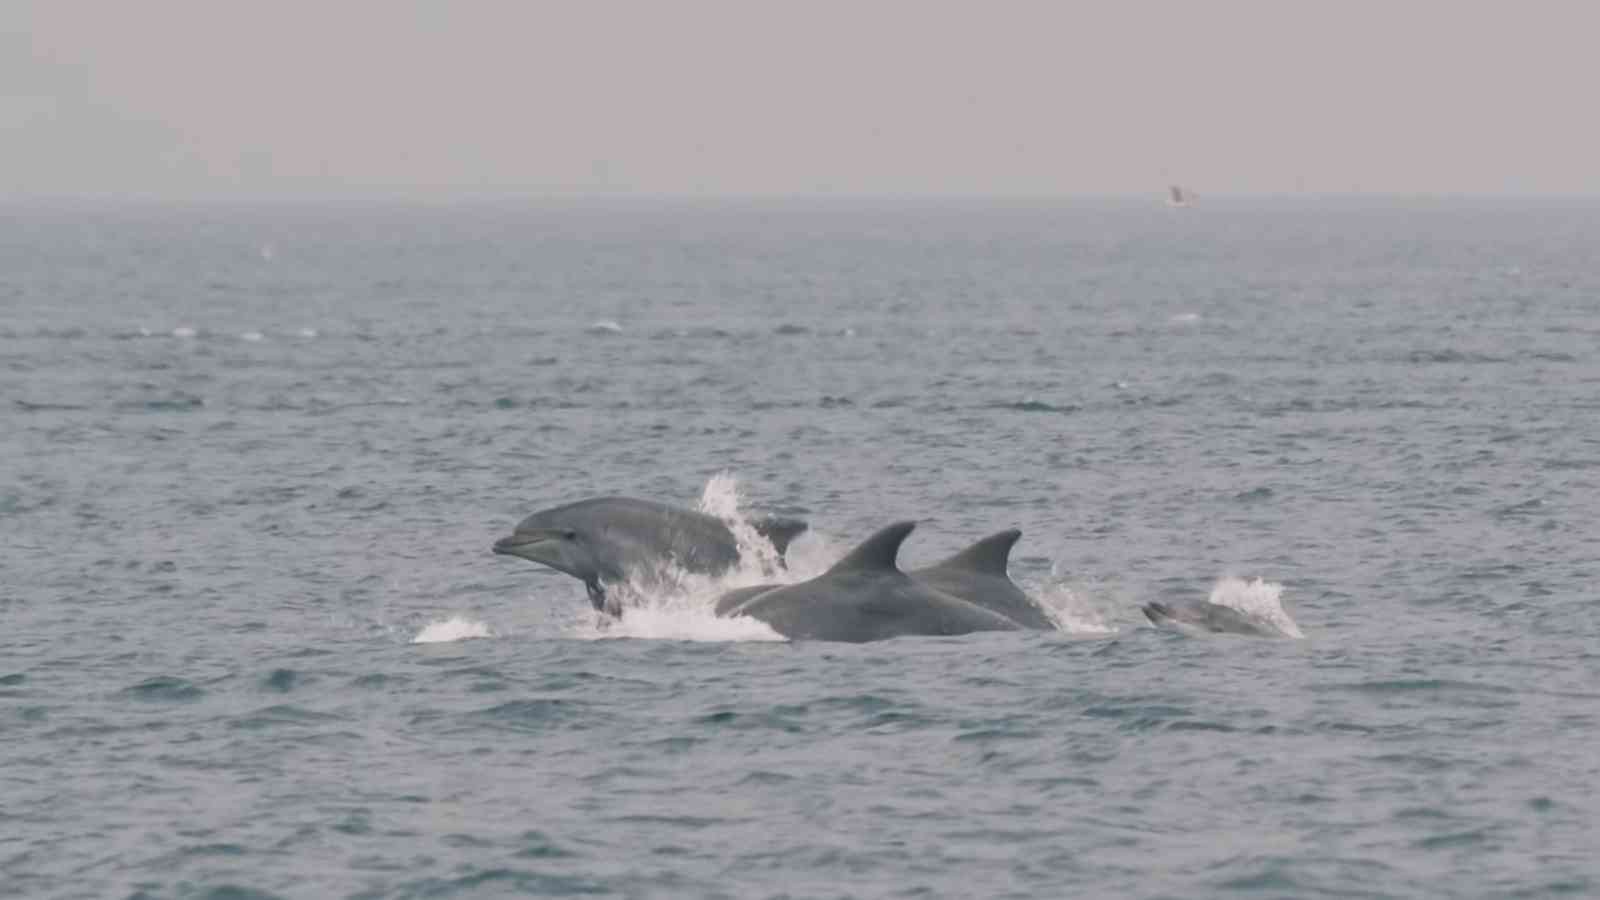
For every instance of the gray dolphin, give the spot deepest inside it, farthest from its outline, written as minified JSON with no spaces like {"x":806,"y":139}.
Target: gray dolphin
{"x":1207,"y":616}
{"x":978,"y":576}
{"x":609,"y":540}
{"x":864,"y":597}
{"x":732,"y":600}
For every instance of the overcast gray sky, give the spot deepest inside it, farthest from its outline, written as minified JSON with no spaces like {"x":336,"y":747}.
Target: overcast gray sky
{"x":185,"y":98}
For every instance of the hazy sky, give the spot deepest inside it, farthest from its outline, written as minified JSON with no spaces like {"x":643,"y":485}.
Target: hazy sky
{"x":220,"y":98}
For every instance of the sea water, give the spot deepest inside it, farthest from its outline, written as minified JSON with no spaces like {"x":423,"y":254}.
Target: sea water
{"x":255,"y":643}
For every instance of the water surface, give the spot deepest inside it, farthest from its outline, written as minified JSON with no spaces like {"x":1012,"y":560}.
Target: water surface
{"x":252,"y":455}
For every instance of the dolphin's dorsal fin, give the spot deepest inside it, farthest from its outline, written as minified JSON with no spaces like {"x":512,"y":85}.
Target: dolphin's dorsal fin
{"x":876,"y":553}
{"x":988,"y":556}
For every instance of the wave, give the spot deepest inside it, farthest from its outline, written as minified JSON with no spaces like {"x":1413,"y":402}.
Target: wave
{"x":165,"y":689}
{"x":1032,"y":405}
{"x":1450,"y":355}
{"x":44,"y":406}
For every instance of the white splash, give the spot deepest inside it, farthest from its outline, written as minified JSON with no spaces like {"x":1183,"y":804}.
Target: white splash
{"x":1185,"y":318}
{"x":604,"y":326}
{"x":455,"y":628}
{"x":758,"y":559}
{"x":308,"y":332}
{"x":1073,"y":611}
{"x":721,"y":495}
{"x":251,"y":336}
{"x":681,"y":618}
{"x":184,"y":332}
{"x":1259,"y":599}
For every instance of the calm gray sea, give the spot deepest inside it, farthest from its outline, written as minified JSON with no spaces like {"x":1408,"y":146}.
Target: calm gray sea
{"x":253,"y":642}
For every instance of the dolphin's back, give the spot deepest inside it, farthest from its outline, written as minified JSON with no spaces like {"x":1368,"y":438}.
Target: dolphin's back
{"x":864,"y":597}
{"x":647,"y":533}
{"x":638,"y":535}
{"x":730,"y":602}
{"x":608,"y":541}
{"x":978,"y":576}
{"x":1207,"y":616}
{"x":999,"y":595}
{"x":859,"y":608}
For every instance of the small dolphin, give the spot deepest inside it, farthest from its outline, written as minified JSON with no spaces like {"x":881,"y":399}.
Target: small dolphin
{"x":606,"y":541}
{"x":978,"y":576}
{"x":864,"y":597}
{"x":1210,"y":617}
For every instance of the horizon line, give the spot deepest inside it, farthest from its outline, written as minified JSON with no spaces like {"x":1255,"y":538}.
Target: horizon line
{"x":390,"y":196}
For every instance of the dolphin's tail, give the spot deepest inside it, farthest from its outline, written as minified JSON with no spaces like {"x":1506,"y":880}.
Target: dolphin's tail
{"x":779,"y":530}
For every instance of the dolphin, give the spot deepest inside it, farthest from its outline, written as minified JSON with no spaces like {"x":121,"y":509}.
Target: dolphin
{"x":864,"y":597}
{"x":978,"y":576}
{"x":1208,"y":617}
{"x":732,"y":600}
{"x":606,"y":541}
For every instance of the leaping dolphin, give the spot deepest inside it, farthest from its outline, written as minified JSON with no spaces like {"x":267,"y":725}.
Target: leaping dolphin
{"x":605,"y":541}
{"x":865,"y":597}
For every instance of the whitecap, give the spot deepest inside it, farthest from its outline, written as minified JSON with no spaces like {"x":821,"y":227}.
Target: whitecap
{"x":184,"y":331}
{"x":604,"y":326}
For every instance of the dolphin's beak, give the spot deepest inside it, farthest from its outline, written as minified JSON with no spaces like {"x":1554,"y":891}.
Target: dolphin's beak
{"x":530,"y":545}
{"x":509,"y":545}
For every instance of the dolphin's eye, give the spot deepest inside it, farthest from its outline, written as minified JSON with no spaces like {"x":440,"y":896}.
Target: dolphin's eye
{"x":570,"y":535}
